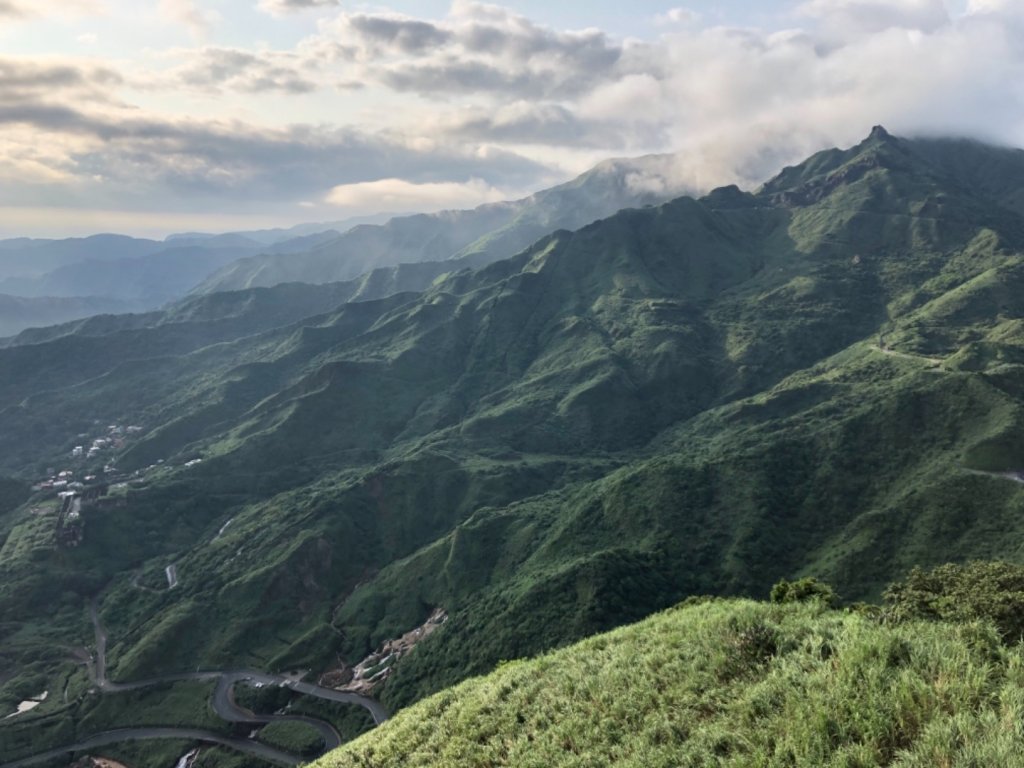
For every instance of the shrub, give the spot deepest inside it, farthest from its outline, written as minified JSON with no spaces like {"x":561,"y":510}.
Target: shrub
{"x":980,"y":590}
{"x":802,"y":591}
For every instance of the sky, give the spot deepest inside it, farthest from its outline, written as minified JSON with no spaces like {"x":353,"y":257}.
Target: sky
{"x":157,"y":116}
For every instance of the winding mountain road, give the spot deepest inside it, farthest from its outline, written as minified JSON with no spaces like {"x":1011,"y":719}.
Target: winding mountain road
{"x":227,"y":678}
{"x":223,"y":704}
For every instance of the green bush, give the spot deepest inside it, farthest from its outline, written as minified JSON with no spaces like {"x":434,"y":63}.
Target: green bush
{"x":980,"y":590}
{"x":802,"y":591}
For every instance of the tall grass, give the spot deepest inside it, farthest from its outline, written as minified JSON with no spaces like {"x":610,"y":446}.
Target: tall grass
{"x":729,"y":683}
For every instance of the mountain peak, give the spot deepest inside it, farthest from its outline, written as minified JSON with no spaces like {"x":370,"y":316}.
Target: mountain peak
{"x":826,"y":171}
{"x":878,"y":133}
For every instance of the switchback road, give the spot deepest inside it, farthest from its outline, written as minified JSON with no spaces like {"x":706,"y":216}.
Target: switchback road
{"x":223,"y":704}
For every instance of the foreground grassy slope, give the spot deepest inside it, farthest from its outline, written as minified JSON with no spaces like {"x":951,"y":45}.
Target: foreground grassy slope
{"x":730,"y":683}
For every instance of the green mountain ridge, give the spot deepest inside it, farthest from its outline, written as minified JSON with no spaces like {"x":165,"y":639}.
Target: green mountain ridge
{"x":699,"y":397}
{"x":18,"y":313}
{"x":57,"y":281}
{"x":468,"y":237}
{"x":148,"y":280}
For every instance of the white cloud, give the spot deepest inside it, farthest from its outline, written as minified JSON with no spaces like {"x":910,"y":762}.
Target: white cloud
{"x":995,"y":6}
{"x":61,"y":9}
{"x":215,"y":70}
{"x":675,"y":16}
{"x":198,"y":21}
{"x":844,"y":19}
{"x":281,"y":7}
{"x":744,"y":103}
{"x":68,"y":135}
{"x":400,"y":195}
{"x":476,"y":49}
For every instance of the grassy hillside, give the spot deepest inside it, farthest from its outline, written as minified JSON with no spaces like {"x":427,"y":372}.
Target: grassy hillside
{"x":730,"y":683}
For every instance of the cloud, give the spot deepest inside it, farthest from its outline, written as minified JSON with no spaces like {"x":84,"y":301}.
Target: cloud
{"x":69,"y":136}
{"x":477,"y":49}
{"x":485,"y":99}
{"x":846,"y":18}
{"x":28,"y":9}
{"x":400,"y":195}
{"x":190,"y":15}
{"x":11,"y":8}
{"x":553,"y":125}
{"x":156,"y":161}
{"x":378,"y":34}
{"x":744,"y":102}
{"x":233,"y":69}
{"x":675,"y":16}
{"x":24,"y":79}
{"x":994,"y":6}
{"x":281,"y":7}
{"x":737,"y":102}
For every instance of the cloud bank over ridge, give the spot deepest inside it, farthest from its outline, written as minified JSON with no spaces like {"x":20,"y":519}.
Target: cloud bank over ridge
{"x":487,"y":99}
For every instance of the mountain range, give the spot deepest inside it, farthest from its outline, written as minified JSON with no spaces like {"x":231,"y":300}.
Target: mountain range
{"x":473,"y":237}
{"x":79,"y":277}
{"x":696,"y":397}
{"x":18,"y":313}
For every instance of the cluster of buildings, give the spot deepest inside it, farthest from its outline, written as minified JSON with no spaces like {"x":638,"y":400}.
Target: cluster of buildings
{"x":77,"y":490}
{"x":65,"y":480}
{"x":113,"y":440}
